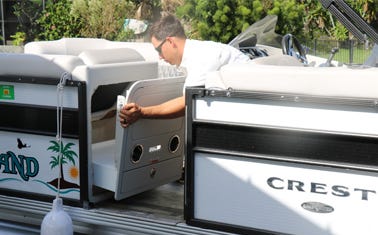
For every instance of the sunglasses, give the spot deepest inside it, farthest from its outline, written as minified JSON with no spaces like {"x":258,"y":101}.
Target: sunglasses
{"x":158,"y":48}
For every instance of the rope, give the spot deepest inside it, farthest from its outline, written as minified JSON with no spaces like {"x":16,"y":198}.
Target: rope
{"x":59,"y":122}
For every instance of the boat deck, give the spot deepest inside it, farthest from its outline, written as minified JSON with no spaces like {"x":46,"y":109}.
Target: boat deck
{"x":163,"y":203}
{"x":157,"y":211}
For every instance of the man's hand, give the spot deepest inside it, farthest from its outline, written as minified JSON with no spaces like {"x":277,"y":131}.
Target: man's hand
{"x":132,"y":112}
{"x":129,"y":114}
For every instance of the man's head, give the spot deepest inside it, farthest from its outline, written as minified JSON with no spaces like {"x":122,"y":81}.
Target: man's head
{"x":168,"y":37}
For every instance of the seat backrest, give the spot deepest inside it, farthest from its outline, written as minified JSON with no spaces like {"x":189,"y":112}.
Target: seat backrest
{"x":280,"y":60}
{"x":75,"y":46}
{"x":46,"y":66}
{"x":110,"y":55}
{"x":65,"y":46}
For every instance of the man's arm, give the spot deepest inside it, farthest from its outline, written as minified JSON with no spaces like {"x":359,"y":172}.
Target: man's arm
{"x":132,"y":112}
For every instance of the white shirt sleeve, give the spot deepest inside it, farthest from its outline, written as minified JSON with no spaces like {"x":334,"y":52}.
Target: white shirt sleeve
{"x":202,"y":57}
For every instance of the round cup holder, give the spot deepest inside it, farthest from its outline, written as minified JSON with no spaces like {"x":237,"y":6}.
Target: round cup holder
{"x":136,"y":154}
{"x":174,"y":144}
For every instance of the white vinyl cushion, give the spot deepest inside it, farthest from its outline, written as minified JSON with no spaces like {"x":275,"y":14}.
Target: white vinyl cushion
{"x":76,"y":46}
{"x":65,"y":46}
{"x":37,"y":65}
{"x":322,"y":81}
{"x":108,"y":56}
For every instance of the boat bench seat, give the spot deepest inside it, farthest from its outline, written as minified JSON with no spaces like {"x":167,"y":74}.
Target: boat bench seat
{"x":317,"y":81}
{"x":32,"y":65}
{"x":75,"y":46}
{"x":104,"y":65}
{"x":108,"y":69}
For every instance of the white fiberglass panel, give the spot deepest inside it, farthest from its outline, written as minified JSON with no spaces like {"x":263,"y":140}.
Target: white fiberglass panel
{"x":40,"y":94}
{"x":284,"y":197}
{"x":29,"y":163}
{"x":238,"y":111}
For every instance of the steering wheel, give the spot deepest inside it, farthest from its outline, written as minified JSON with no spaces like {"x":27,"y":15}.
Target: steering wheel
{"x":292,"y":47}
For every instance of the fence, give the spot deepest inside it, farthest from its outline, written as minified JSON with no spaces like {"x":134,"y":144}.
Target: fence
{"x":350,"y":51}
{"x":11,"y":49}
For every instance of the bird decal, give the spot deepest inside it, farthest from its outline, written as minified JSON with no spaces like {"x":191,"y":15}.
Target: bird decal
{"x":21,"y":145}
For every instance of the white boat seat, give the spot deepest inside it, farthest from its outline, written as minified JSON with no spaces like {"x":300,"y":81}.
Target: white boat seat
{"x":111,"y":55}
{"x":318,"y":81}
{"x":65,"y":46}
{"x":29,"y":65}
{"x":104,"y":96}
{"x":281,"y":60}
{"x":75,"y":46}
{"x":144,"y":154}
{"x":109,"y":66}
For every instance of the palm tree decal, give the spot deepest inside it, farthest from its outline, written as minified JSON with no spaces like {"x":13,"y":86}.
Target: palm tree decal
{"x":67,"y":155}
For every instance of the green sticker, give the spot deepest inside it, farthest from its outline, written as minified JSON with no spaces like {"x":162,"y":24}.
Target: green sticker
{"x":6,"y":92}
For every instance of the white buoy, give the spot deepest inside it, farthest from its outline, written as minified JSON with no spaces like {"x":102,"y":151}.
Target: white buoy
{"x":57,"y":221}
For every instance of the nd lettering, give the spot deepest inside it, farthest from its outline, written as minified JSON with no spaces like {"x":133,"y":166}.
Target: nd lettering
{"x":24,"y":166}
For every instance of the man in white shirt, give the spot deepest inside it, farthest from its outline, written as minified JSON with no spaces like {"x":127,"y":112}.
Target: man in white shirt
{"x":197,"y":57}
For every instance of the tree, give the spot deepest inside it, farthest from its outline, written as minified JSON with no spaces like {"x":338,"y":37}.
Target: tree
{"x":368,"y":9}
{"x":218,"y":20}
{"x":222,"y":20}
{"x":27,"y":12}
{"x":57,"y":21}
{"x":102,"y":18}
{"x":319,"y":21}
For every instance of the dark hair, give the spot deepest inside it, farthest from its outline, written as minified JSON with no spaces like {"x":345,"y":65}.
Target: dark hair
{"x":167,"y":26}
